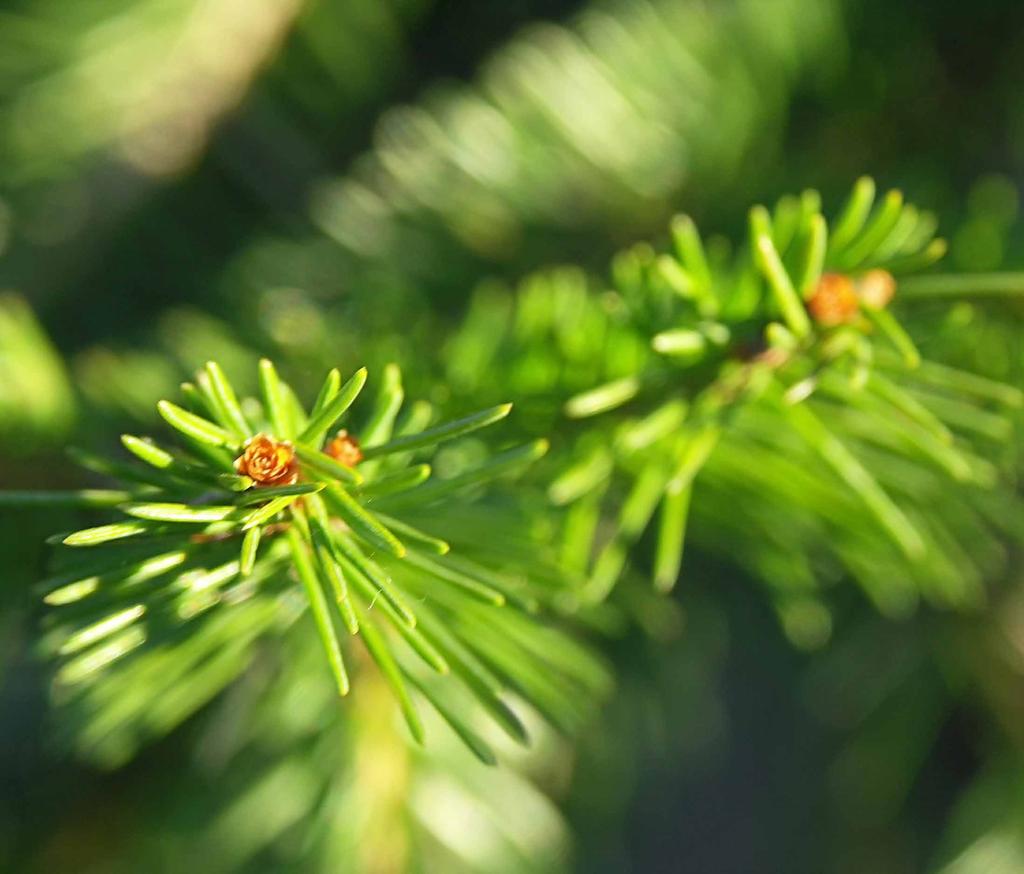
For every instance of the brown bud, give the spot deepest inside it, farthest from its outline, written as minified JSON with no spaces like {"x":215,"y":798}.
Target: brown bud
{"x":268,"y":462}
{"x":344,"y":449}
{"x":834,"y":301}
{"x":876,"y":288}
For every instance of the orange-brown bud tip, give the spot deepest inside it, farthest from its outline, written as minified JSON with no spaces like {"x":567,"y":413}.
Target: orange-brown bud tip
{"x":834,"y":301}
{"x":876,"y":288}
{"x":344,"y":449}
{"x":268,"y":462}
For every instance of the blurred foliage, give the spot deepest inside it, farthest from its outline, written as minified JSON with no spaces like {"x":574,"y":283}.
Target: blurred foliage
{"x":577,"y":132}
{"x":36,"y":401}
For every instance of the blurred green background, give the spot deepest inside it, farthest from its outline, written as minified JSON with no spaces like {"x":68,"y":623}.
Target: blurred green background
{"x":329,"y":181}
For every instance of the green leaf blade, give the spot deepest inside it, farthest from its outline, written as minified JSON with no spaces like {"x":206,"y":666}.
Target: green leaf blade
{"x":441,"y":433}
{"x":227,"y":401}
{"x":273,"y":400}
{"x":362,"y":522}
{"x":196,"y":427}
{"x":322,"y":422}
{"x":381,"y":654}
{"x":318,"y":608}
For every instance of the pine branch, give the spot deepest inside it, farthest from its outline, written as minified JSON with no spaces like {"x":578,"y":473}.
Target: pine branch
{"x":219,"y":531}
{"x":739,"y":377}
